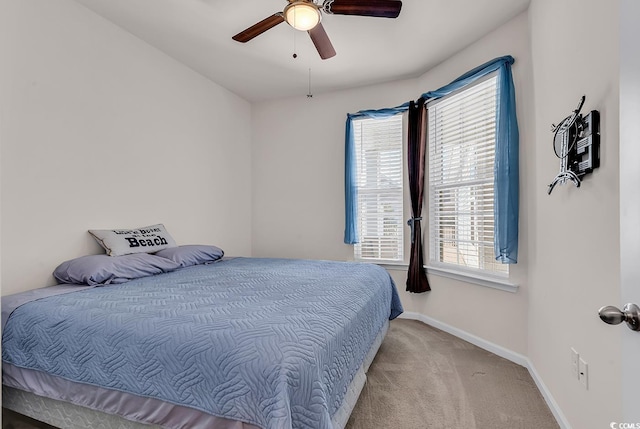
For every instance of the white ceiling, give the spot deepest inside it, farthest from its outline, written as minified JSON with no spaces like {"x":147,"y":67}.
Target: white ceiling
{"x":369,"y":50}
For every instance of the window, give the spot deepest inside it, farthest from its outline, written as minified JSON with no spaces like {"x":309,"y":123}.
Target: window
{"x":379,"y":177}
{"x":462,"y":139}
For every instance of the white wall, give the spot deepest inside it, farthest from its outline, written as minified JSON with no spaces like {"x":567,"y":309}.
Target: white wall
{"x":298,"y":170}
{"x":100,"y":130}
{"x":298,"y":185}
{"x":574,"y":269}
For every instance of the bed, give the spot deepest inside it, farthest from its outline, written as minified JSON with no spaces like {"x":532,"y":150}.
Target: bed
{"x":242,"y":343}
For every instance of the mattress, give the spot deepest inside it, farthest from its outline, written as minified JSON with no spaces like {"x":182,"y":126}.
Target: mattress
{"x":271,"y":343}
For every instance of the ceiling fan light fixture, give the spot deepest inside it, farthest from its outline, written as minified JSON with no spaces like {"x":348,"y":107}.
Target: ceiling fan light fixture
{"x":302,"y":15}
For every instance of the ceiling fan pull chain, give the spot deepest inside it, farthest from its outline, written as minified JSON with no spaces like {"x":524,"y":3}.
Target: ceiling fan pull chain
{"x":309,"y":95}
{"x":295,"y":54}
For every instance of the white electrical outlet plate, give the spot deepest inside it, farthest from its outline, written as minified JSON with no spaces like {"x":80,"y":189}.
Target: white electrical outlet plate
{"x":574,"y":363}
{"x":583,"y":370}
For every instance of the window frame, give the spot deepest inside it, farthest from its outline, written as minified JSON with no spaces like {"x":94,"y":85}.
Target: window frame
{"x":405,"y":249}
{"x":484,"y":277}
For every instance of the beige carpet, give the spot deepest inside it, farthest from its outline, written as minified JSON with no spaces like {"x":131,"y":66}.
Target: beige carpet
{"x":423,"y":378}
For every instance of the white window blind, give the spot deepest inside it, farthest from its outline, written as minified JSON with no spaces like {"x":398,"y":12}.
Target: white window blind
{"x":462,"y":133}
{"x":378,"y":144}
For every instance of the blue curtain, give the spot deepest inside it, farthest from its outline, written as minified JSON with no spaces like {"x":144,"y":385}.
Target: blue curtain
{"x":350,"y":188}
{"x":506,"y":199}
{"x":506,"y":171}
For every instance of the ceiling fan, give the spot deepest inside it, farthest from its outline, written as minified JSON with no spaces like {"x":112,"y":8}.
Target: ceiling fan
{"x":305,"y":15}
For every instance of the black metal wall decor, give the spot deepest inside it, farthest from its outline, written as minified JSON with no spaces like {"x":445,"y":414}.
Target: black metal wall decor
{"x":576,"y":141}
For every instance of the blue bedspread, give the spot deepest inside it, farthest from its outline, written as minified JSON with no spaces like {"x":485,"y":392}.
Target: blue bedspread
{"x":272,"y":342}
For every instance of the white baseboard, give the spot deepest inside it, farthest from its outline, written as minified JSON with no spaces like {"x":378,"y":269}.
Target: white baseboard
{"x":500,"y":351}
{"x":475,"y":340}
{"x":551,"y":402}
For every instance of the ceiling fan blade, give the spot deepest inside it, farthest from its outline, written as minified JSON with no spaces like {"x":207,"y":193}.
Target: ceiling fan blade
{"x":375,"y":8}
{"x":259,"y":28}
{"x":321,"y":41}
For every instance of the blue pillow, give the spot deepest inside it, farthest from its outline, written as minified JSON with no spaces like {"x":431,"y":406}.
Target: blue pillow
{"x":191,"y":254}
{"x":95,"y":270}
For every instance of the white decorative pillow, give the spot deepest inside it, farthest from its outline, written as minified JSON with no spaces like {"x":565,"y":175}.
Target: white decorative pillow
{"x":148,"y":239}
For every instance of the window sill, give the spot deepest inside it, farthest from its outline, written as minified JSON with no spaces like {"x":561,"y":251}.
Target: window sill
{"x":492,"y":282}
{"x":388,"y":265}
{"x":400,"y":266}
